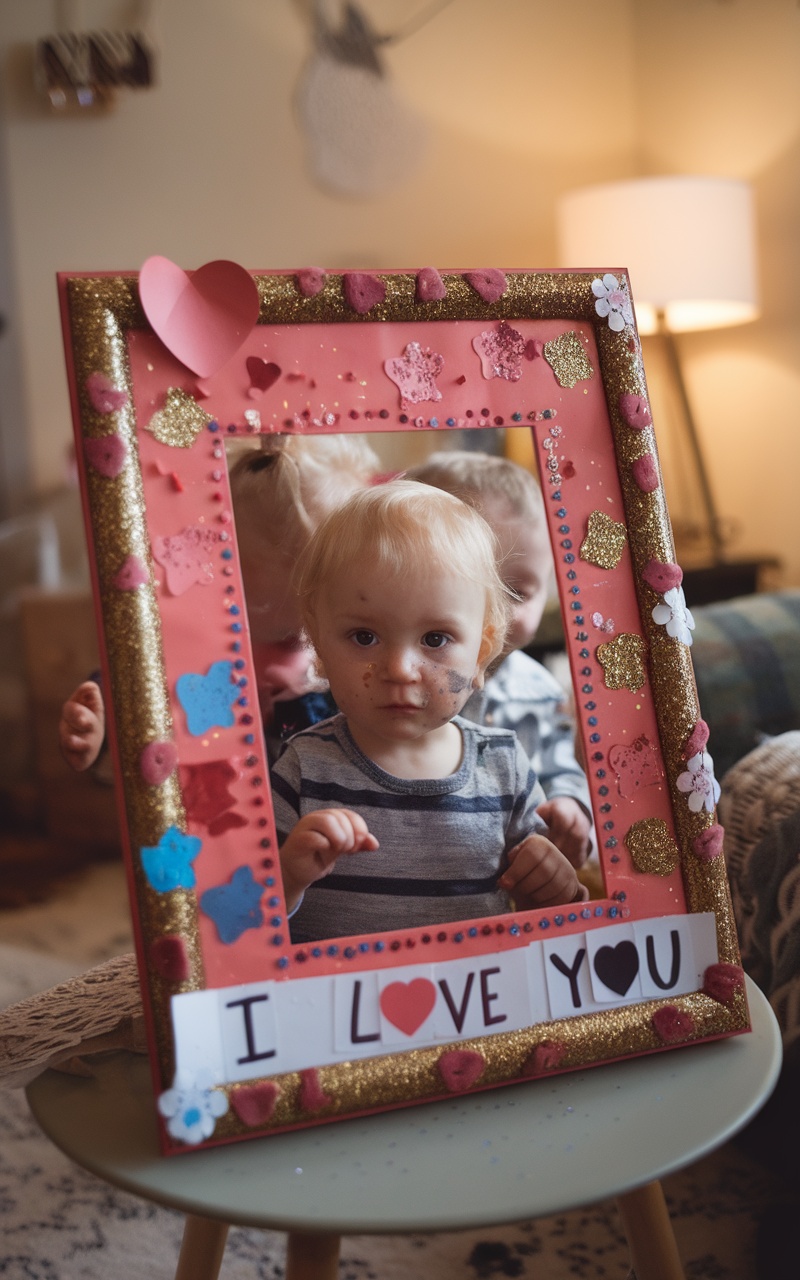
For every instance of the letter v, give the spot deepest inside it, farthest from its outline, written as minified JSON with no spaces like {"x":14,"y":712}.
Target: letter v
{"x":457,"y":1014}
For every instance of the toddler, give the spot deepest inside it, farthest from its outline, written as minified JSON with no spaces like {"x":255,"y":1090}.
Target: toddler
{"x":280,"y":492}
{"x":437,"y":816}
{"x":519,"y":692}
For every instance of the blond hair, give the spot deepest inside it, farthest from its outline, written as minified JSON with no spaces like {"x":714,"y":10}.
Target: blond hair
{"x":398,"y":528}
{"x":481,"y":478}
{"x":284,"y":487}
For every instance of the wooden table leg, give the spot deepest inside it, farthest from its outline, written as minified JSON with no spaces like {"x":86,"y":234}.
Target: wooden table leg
{"x":202,"y":1248}
{"x":312,"y":1257}
{"x":654,"y":1253}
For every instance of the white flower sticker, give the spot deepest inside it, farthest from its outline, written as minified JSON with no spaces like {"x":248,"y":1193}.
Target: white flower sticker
{"x":613,"y":301}
{"x":675,"y":615}
{"x":699,"y":783}
{"x":191,"y":1107}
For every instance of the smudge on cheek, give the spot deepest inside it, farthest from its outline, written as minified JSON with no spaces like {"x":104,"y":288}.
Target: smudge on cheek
{"x":456,"y":682}
{"x":368,"y":673}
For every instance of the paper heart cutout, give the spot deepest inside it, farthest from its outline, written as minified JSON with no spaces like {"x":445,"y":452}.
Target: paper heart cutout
{"x":131,"y":574}
{"x":157,"y":761}
{"x":104,"y":396}
{"x":488,"y":283}
{"x":635,"y":411}
{"x":255,"y":1103}
{"x":645,"y":473}
{"x":460,"y":1068}
{"x":107,"y":455}
{"x":407,"y":1004}
{"x":662,"y":577}
{"x":262,"y":373}
{"x":362,"y":291}
{"x":310,"y":281}
{"x":203,"y":317}
{"x":617,"y":966}
{"x":430,"y":285}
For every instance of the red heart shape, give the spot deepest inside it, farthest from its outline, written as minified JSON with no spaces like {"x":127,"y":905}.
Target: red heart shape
{"x":255,"y":1103}
{"x":107,"y":454}
{"x":362,"y":291}
{"x":202,"y":318}
{"x":104,"y":396}
{"x":460,"y":1068}
{"x":407,"y":1004}
{"x":722,"y":981}
{"x":157,"y":761}
{"x":262,"y":373}
{"x":170,"y":959}
{"x":662,"y":576}
{"x":635,"y":411}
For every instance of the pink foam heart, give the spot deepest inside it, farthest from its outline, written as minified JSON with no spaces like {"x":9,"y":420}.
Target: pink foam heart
{"x":157,"y":761}
{"x":310,"y":281}
{"x":362,"y":291}
{"x":635,"y":411}
{"x":488,"y":283}
{"x":107,"y":455}
{"x":131,"y":574}
{"x":255,"y":1103}
{"x":672,"y":1024}
{"x":708,"y":845}
{"x":430,"y":285}
{"x":545,"y":1057}
{"x":104,"y":396}
{"x":722,"y":981}
{"x":169,"y":958}
{"x":662,"y":577}
{"x":407,"y":1004}
{"x":203,"y":317}
{"x":460,"y":1068}
{"x":312,"y":1096}
{"x":534,"y":349}
{"x":697,"y":740}
{"x":645,"y":473}
{"x":263,"y":374}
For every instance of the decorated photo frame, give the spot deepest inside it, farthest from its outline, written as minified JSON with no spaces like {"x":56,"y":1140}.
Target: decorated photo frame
{"x":250,"y":1034}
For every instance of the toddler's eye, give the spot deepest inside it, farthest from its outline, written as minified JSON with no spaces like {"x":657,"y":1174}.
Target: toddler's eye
{"x":364,"y":638}
{"x":434,"y":639}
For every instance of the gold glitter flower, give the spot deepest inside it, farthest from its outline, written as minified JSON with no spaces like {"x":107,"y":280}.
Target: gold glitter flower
{"x":567,"y":357}
{"x":652,"y":847}
{"x":604,"y":542}
{"x":622,"y":660}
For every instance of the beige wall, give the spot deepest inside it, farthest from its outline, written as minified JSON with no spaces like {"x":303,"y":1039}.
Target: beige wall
{"x":523,"y":100}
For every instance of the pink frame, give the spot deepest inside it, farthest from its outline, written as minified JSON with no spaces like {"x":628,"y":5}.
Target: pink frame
{"x":558,"y":353}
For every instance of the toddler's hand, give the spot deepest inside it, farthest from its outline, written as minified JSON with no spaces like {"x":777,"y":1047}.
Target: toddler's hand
{"x":568,"y":827}
{"x":315,"y":842}
{"x":538,"y":875}
{"x":82,"y":726}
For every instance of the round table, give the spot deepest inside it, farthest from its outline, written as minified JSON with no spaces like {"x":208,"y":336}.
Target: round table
{"x":504,"y":1155}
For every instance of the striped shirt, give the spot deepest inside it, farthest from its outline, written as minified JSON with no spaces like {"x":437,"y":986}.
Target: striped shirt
{"x":442,"y":841}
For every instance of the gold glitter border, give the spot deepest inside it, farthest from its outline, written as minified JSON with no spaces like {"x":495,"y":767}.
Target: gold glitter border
{"x":101,"y":310}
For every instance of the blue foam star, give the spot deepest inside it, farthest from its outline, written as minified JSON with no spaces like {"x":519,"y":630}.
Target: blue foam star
{"x":167,"y":865}
{"x":208,"y":699}
{"x":234,"y":906}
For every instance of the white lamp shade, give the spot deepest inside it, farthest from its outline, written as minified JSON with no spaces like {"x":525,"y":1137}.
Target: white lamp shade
{"x":688,"y":244}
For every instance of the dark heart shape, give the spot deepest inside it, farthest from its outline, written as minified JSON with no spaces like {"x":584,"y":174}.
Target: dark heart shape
{"x":262,"y":373}
{"x":617,"y":966}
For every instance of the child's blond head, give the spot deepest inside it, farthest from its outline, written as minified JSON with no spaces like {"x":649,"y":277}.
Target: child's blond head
{"x":398,"y":529}
{"x":484,"y":481}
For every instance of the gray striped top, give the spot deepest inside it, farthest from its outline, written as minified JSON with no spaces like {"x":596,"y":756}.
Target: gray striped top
{"x":442,"y":840}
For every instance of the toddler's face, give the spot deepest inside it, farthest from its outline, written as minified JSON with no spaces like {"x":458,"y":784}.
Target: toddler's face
{"x":525,"y":566}
{"x":402,"y":653}
{"x":283,"y":660}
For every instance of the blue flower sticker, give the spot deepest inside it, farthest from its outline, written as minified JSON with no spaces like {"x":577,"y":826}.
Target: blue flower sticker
{"x":168,"y":864}
{"x":208,"y":699}
{"x":234,"y":907}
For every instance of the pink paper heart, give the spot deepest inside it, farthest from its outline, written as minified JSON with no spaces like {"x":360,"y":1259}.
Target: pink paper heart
{"x":362,"y":291}
{"x":131,"y":574}
{"x":255,"y":1103}
{"x":107,"y":455}
{"x":430,"y":285}
{"x":203,"y":317}
{"x":460,"y":1068}
{"x":407,"y":1004}
{"x":157,"y":761}
{"x":488,"y":283}
{"x":662,"y":577}
{"x":645,"y":473}
{"x":310,"y":281}
{"x":262,"y":373}
{"x":104,"y":396}
{"x":635,"y":411}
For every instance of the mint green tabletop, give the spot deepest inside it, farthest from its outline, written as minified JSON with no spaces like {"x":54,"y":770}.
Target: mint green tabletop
{"x":504,"y":1155}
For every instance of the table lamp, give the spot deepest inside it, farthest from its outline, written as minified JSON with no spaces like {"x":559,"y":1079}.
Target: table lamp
{"x":689,"y":247}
